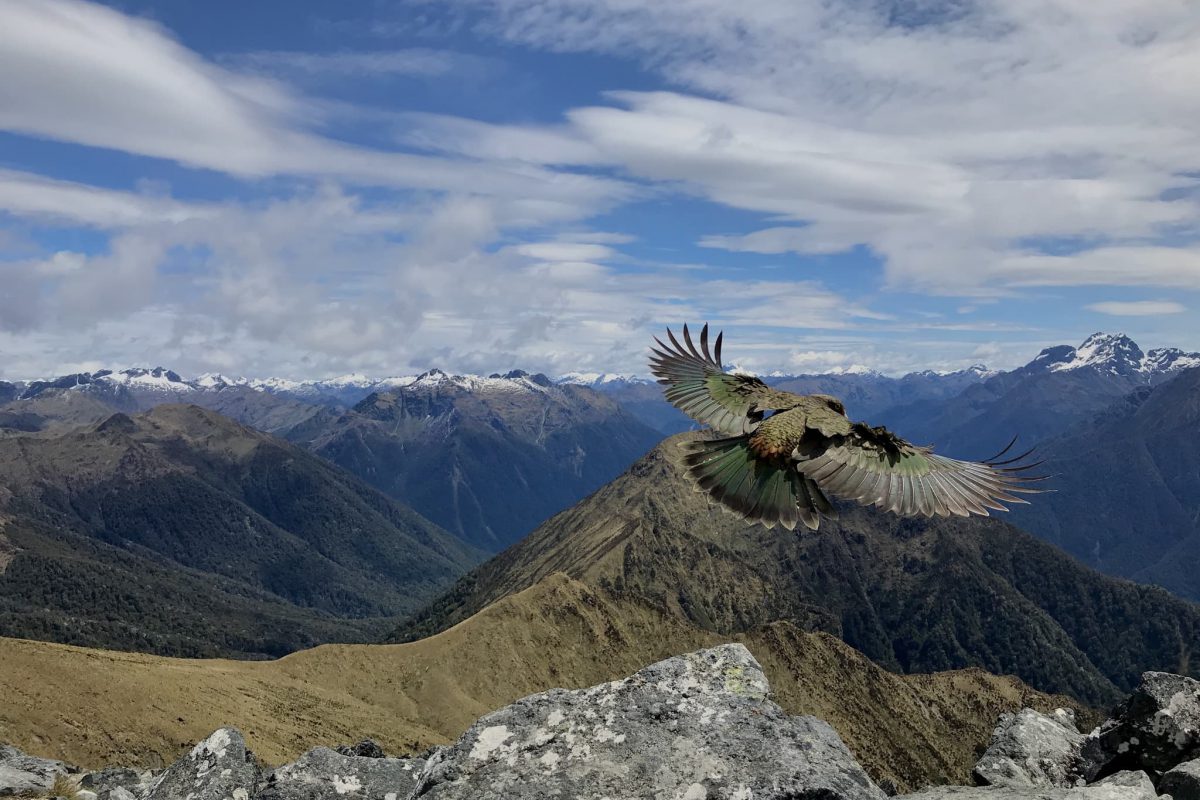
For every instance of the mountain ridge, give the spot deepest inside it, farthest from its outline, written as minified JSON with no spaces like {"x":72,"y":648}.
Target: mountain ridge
{"x":182,"y":490}
{"x":1096,"y":349}
{"x":1128,"y":487}
{"x":913,"y":595}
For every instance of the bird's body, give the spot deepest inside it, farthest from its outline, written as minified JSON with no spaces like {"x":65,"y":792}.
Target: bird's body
{"x":777,"y":467}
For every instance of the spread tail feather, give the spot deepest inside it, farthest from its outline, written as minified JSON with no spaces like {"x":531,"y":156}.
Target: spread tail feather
{"x":761,"y":492}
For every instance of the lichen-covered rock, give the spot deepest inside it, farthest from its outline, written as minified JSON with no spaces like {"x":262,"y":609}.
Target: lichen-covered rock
{"x":1182,"y":782}
{"x":1030,"y":749}
{"x":323,"y":773}
{"x":218,"y":768}
{"x":25,"y":774}
{"x":1121,"y":786}
{"x":1136,"y":783}
{"x":118,"y":783}
{"x":694,"y":727}
{"x":1154,"y":729}
{"x":367,"y":748}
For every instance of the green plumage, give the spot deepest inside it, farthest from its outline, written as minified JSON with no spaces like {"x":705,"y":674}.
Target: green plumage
{"x":758,"y":490}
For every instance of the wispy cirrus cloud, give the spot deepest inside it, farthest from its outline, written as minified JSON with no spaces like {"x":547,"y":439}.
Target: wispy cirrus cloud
{"x":945,"y":137}
{"x":420,"y":62}
{"x":1137,"y":308}
{"x":67,"y":202}
{"x":86,"y":74}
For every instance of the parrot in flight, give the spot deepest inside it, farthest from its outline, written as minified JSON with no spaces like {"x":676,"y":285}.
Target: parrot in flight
{"x":780,"y":455}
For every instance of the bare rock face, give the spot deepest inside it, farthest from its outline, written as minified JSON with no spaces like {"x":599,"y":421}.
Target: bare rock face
{"x":22,"y":774}
{"x":323,"y":773}
{"x":693,"y":727}
{"x":1120,"y":786}
{"x":118,"y":783}
{"x":1182,"y":782}
{"x":367,"y":748}
{"x":218,"y":768}
{"x":1154,"y":729}
{"x":1031,"y":749}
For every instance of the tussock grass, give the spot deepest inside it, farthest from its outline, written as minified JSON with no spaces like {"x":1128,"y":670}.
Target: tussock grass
{"x":64,"y":786}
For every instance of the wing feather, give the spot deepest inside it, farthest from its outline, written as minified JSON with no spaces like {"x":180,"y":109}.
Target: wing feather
{"x":696,"y":384}
{"x":874,"y":467}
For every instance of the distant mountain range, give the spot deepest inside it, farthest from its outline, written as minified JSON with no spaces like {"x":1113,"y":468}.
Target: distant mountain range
{"x":914,"y":595}
{"x":1115,"y":359}
{"x":179,"y":531}
{"x":1061,"y":386}
{"x":487,"y":458}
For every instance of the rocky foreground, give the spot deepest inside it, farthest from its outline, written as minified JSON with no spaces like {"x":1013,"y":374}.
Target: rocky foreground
{"x":694,"y":727}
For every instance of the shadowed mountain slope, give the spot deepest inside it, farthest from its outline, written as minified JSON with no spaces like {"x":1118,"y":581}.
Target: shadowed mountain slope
{"x":486,"y":458}
{"x":110,"y":528}
{"x":1128,"y":499}
{"x":559,"y":633}
{"x":913,"y":595}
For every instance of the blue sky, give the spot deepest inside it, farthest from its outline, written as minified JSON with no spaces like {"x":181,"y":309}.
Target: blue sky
{"x":306,"y":189}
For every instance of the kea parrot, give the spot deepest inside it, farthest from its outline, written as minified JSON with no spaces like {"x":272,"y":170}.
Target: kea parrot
{"x":781,"y":455}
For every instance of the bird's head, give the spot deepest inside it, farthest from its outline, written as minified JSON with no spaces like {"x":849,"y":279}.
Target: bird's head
{"x":833,"y":403}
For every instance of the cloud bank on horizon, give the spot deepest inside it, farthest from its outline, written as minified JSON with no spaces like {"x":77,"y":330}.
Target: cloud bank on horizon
{"x":311,"y":188}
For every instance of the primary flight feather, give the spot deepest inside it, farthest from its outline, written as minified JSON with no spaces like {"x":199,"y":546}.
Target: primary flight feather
{"x":782,"y":453}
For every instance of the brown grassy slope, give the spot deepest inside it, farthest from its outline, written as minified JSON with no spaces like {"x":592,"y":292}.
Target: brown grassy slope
{"x":98,"y":707}
{"x":913,"y":595}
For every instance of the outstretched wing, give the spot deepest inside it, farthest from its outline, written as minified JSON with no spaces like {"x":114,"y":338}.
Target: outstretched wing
{"x":875,"y":467}
{"x":697,"y":386}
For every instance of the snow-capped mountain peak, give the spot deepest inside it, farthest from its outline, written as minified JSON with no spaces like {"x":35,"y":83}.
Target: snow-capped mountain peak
{"x":1169,"y":359}
{"x":1115,"y":354}
{"x":595,"y":379}
{"x":352,"y":379}
{"x":215,"y":380}
{"x":156,"y":379}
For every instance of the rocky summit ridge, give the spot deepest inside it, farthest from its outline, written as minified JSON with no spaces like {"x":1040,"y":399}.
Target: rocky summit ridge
{"x":701,"y":726}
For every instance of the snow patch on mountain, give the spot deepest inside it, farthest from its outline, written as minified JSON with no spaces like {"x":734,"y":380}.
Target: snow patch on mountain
{"x":598,"y":379}
{"x":152,"y":380}
{"x":1116,"y":354}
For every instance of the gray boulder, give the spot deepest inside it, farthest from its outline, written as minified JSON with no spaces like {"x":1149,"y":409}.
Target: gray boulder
{"x":25,"y":774}
{"x":1031,"y":749}
{"x":1121,"y":786}
{"x":1154,"y":729}
{"x":118,"y":783}
{"x":694,"y":727}
{"x":1136,"y":784}
{"x":323,"y":773}
{"x":1182,"y":782}
{"x":218,"y":768}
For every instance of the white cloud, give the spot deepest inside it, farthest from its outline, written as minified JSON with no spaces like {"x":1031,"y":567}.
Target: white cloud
{"x":1122,"y":265}
{"x":949,"y":139}
{"x":83,"y":73}
{"x":566,"y":251}
{"x":27,"y":195}
{"x":1138,"y":308}
{"x":534,"y":144}
{"x":324,"y":282}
